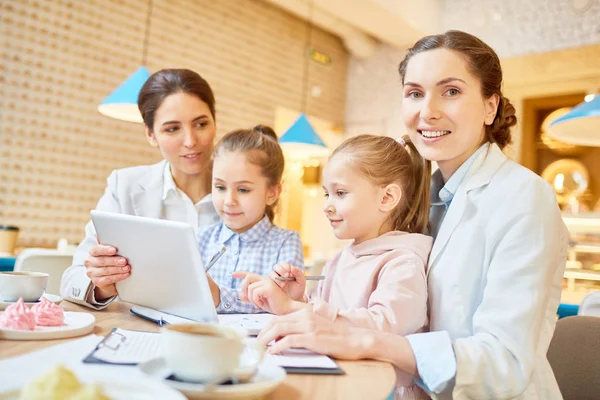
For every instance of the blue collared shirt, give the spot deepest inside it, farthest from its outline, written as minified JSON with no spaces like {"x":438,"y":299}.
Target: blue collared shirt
{"x":442,"y":194}
{"x":257,"y":250}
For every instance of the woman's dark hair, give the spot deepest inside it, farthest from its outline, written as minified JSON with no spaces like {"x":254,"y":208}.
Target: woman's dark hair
{"x":167,"y":82}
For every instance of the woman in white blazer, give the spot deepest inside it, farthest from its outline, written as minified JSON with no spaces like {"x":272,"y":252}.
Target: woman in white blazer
{"x":499,"y":253}
{"x":178,"y":109}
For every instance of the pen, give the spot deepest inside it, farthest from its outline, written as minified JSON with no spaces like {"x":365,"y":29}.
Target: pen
{"x":308,"y":278}
{"x":160,"y":321}
{"x":215,"y":258}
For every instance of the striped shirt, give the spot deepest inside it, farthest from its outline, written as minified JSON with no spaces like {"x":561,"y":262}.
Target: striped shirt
{"x":257,"y":250}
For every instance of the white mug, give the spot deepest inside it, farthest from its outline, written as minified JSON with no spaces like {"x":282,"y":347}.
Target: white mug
{"x":209,"y":352}
{"x":28,"y":285}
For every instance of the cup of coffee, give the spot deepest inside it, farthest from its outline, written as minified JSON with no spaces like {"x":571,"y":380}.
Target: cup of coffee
{"x":28,"y":285}
{"x":209,"y":352}
{"x":8,"y":239}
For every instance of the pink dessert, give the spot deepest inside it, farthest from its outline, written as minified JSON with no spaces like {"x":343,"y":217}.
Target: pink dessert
{"x":17,"y":316}
{"x":47,"y":313}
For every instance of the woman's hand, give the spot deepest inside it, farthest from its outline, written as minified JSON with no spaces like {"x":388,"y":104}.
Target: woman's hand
{"x":104,"y":267}
{"x":305,"y":329}
{"x":294,"y":289}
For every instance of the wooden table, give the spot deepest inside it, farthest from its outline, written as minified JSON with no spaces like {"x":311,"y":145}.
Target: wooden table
{"x":363,"y":379}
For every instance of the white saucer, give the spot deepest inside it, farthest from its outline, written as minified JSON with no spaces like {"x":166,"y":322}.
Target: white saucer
{"x":124,"y":391}
{"x":266,"y":379}
{"x":76,"y":324}
{"x":52,"y":297}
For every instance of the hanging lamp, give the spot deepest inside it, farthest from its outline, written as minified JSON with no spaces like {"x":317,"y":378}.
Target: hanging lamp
{"x":579,"y":126}
{"x":301,"y":139}
{"x":121,"y":104}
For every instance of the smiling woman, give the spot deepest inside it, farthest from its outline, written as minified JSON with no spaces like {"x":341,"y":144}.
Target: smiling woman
{"x":178,"y":109}
{"x":494,"y":274}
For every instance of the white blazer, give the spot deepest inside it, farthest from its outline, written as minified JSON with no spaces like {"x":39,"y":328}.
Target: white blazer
{"x":494,"y":280}
{"x":135,"y":191}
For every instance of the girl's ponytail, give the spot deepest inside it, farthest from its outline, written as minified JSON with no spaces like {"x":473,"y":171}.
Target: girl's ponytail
{"x":416,"y":217}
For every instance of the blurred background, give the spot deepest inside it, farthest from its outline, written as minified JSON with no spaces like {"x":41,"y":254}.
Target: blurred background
{"x":326,"y":66}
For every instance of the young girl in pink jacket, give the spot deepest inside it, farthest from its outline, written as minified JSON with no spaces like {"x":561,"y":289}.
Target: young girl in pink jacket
{"x":377,"y":193}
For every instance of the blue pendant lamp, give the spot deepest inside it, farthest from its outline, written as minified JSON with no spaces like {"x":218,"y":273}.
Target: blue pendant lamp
{"x":301,"y":140}
{"x":122,"y":102}
{"x":579,"y":126}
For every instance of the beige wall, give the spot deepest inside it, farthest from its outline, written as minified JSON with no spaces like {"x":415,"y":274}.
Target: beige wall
{"x":60,"y":58}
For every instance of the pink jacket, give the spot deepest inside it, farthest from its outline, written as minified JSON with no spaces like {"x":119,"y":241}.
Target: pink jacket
{"x":378,"y":284}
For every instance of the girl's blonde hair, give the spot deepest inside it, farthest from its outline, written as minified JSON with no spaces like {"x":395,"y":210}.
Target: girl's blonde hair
{"x":383,"y":161}
{"x":261,"y":146}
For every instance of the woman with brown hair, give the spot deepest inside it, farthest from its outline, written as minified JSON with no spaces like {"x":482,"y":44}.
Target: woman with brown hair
{"x":494,"y":273}
{"x":178,"y":109}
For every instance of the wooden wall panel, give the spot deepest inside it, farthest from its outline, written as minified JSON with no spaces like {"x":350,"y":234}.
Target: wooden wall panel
{"x":60,"y":58}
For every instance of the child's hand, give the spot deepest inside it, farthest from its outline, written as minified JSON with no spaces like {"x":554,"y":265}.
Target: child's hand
{"x":294,"y":289}
{"x":270,"y":297}
{"x":248,"y":279}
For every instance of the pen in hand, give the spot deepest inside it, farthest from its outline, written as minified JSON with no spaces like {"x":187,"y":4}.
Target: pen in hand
{"x":215,"y":258}
{"x":308,"y":278}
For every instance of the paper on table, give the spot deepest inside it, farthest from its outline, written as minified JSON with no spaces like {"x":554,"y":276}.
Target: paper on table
{"x":253,"y":323}
{"x":18,"y":371}
{"x":129,"y":347}
{"x":302,"y":358}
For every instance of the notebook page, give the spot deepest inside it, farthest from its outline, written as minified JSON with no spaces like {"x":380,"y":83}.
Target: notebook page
{"x":302,"y":358}
{"x":253,"y":323}
{"x":129,"y":347}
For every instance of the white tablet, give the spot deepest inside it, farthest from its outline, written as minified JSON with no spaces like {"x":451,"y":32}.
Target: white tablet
{"x":167,"y":273}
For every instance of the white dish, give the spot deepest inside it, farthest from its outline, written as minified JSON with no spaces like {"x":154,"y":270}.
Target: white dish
{"x":266,"y":379}
{"x":52,"y":297}
{"x":76,"y":324}
{"x":124,"y":391}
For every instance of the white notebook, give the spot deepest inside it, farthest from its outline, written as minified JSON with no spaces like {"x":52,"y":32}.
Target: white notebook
{"x":252,"y":323}
{"x":123,"y":346}
{"x":302,"y":358}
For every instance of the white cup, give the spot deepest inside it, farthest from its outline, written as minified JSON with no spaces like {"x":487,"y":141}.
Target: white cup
{"x":28,"y":285}
{"x":209,"y":352}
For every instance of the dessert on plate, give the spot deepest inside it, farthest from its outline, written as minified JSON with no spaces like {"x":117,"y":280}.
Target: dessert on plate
{"x":17,"y":316}
{"x":59,"y":383}
{"x":47,"y":313}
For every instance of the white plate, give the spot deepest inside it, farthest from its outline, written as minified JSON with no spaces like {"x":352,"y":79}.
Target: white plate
{"x":52,"y":297}
{"x":125,"y":391}
{"x":263,"y":382}
{"x":76,"y":324}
